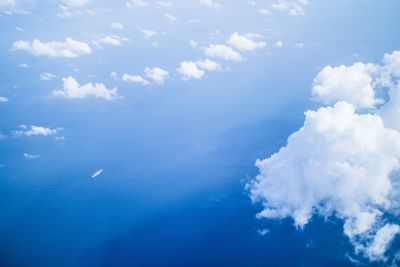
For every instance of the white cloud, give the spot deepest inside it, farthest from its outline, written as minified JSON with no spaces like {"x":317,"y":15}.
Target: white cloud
{"x":72,"y":89}
{"x":136,"y":3}
{"x":23,"y":65}
{"x":114,"y":40}
{"x":158,"y":75}
{"x":149,"y":33}
{"x":349,"y":83}
{"x":117,"y":25}
{"x":135,"y":79}
{"x":326,"y":169}
{"x":292,"y":8}
{"x":278,"y":44}
{"x":8,"y":3}
{"x":170,"y":17}
{"x":193,"y":43}
{"x":70,"y":48}
{"x":189,"y":70}
{"x":31,"y":156}
{"x":75,"y":3}
{"x":46,"y":76}
{"x":264,"y":12}
{"x":34,"y":130}
{"x":209,"y":65}
{"x":3,"y":99}
{"x":210,"y":3}
{"x":242,"y":42}
{"x":97,"y":173}
{"x":299,"y":45}
{"x":165,"y":4}
{"x":382,"y":240}
{"x":341,"y":163}
{"x":196,"y":70}
{"x":114,"y":75}
{"x":222,"y":51}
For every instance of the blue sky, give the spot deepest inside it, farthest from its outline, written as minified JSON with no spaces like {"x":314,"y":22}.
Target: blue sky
{"x":125,"y":123}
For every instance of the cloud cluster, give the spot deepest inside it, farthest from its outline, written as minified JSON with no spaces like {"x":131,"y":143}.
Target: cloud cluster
{"x":75,"y":3}
{"x":70,"y":48}
{"x":196,"y":70}
{"x":223,"y":52}
{"x":243,"y":42}
{"x":158,"y":75}
{"x":295,"y":8}
{"x":34,"y":130}
{"x":72,"y":89}
{"x":344,"y":161}
{"x":238,"y":41}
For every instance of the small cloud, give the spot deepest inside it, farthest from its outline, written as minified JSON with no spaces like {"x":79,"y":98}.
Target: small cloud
{"x":75,"y":3}
{"x":117,"y":26}
{"x":158,"y":75}
{"x":70,"y":48}
{"x":263,"y":232}
{"x":165,"y":4}
{"x":136,"y":3}
{"x":114,"y":40}
{"x":3,"y":99}
{"x":23,"y":66}
{"x":72,"y":89}
{"x":210,"y":3}
{"x":264,"y":12}
{"x":149,"y":33}
{"x":222,"y":51}
{"x":196,"y":70}
{"x":97,"y":173}
{"x":193,"y":43}
{"x":31,"y":156}
{"x":135,"y":79}
{"x":243,"y":42}
{"x":34,"y":130}
{"x":47,"y":76}
{"x":170,"y":18}
{"x":278,"y":44}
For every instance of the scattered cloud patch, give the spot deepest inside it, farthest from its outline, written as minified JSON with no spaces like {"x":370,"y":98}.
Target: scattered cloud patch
{"x":117,"y":26}
{"x":96,"y":173}
{"x":34,"y":130}
{"x":295,"y":8}
{"x":156,"y":74}
{"x":136,"y":3}
{"x":210,"y":3}
{"x":243,"y":42}
{"x":113,"y":40}
{"x":75,"y":3}
{"x":70,"y":48}
{"x":3,"y":99}
{"x":72,"y":90}
{"x":196,"y":70}
{"x":30,"y":156}
{"x":135,"y":79}
{"x":170,"y":18}
{"x":47,"y":76}
{"x":223,"y":52}
{"x":149,"y":33}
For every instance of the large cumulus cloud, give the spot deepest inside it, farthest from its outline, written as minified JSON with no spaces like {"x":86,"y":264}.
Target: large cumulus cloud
{"x":345,"y":160}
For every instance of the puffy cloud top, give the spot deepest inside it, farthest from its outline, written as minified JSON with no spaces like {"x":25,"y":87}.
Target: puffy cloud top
{"x":72,"y":89}
{"x":70,"y":48}
{"x":342,"y":163}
